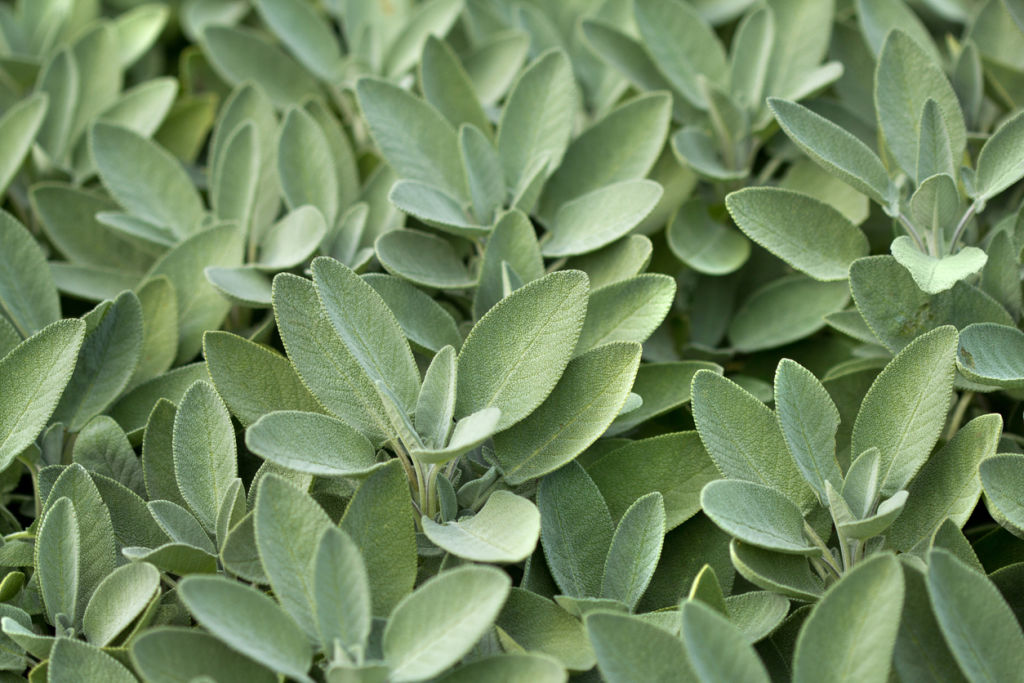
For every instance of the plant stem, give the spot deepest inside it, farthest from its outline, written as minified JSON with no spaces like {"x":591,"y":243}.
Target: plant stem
{"x":962,"y":225}
{"x":958,"y":414}
{"x":914,"y":234}
{"x":826,"y":553}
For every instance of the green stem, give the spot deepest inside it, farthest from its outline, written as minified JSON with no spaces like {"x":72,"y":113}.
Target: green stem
{"x":958,"y":414}
{"x":962,"y":225}
{"x":825,"y":552}
{"x":914,"y":234}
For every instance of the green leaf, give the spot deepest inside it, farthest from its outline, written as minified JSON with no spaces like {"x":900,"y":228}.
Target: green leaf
{"x":103,"y":448}
{"x":305,"y":167}
{"x":341,"y":592}
{"x":837,"y":151}
{"x":436,"y":403}
{"x":934,"y":275}
{"x":248,"y":622}
{"x":1001,"y":476}
{"x":622,"y":145}
{"x":600,"y":217}
{"x":629,"y":310}
{"x":515,"y":354}
{"x":435,"y":626}
{"x":635,"y":550}
{"x":788,"y":575}
{"x":240,"y":55}
{"x":749,"y":58}
{"x":704,"y":244}
{"x":537,"y":120}
{"x":979,"y":627}
{"x":106,"y":361}
{"x":586,"y":399}
{"x":809,"y":421}
{"x":716,"y":649}
{"x":378,"y":520}
{"x":234,"y":182}
{"x":58,"y":561}
{"x":629,"y":650}
{"x":168,"y":655}
{"x":743,"y":437}
{"x":683,"y":46}
{"x":323,"y":361}
{"x":72,"y":659}
{"x":180,"y":525}
{"x":998,"y":166}
{"x":288,"y":525}
{"x":447,"y":86}
{"x":758,"y":515}
{"x":204,"y":451}
{"x":200,"y":305}
{"x":906,"y":78}
{"x":291,"y":240}
{"x":784,"y":311}
{"x":469,"y":433}
{"x":512,"y":241}
{"x":934,"y":151}
{"x":484,"y":173}
{"x":252,"y":379}
{"x":905,"y":409}
{"x":505,"y":530}
{"x":34,"y":375}
{"x":159,"y":330}
{"x":424,"y":259}
{"x":132,"y":410}
{"x":367,"y":328}
{"x":806,"y":233}
{"x":414,"y":138}
{"x":850,"y":634}
{"x":145,"y":179}
{"x":312,"y":443}
{"x":517,"y":667}
{"x":137,"y":30}
{"x":426,"y":323}
{"x":434,"y":17}
{"x":947,"y":486}
{"x":18,"y":128}
{"x":536,"y":624}
{"x":28,"y":294}
{"x":307,"y":36}
{"x":576,"y":530}
{"x":121,"y":597}
{"x":662,"y":386}
{"x":921,"y":650}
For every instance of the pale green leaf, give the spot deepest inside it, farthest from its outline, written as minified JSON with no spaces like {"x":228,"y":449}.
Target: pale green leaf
{"x":506,"y":530}
{"x":630,"y":650}
{"x":998,"y":164}
{"x":312,"y":443}
{"x":758,"y":515}
{"x":716,"y":649}
{"x":28,"y":294}
{"x":341,"y":591}
{"x":630,"y":310}
{"x":635,"y":550}
{"x":600,"y":217}
{"x":118,"y":600}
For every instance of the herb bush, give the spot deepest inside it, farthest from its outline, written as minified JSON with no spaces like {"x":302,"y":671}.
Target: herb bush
{"x":511,"y":340}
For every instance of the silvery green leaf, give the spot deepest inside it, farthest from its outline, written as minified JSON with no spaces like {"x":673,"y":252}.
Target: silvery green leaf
{"x":877,"y":18}
{"x":586,"y":399}
{"x":758,"y":515}
{"x":990,"y":353}
{"x":311,"y":443}
{"x":861,"y":485}
{"x":447,"y":86}
{"x":906,"y":79}
{"x":749,"y":57}
{"x":879,"y":521}
{"x":716,"y":649}
{"x":851,"y":632}
{"x":675,"y":465}
{"x":435,"y":207}
{"x":469,"y":433}
{"x":517,"y":667}
{"x":743,"y":437}
{"x":695,"y":148}
{"x":252,"y":379}
{"x":342,"y":592}
{"x":163,"y":194}
{"x":167,"y":655}
{"x":934,"y":151}
{"x":921,"y":649}
{"x":34,"y":375}
{"x":395,"y":118}
{"x":424,"y":259}
{"x":306,"y":34}
{"x":58,"y":562}
{"x":1001,"y":476}
{"x":629,"y":649}
{"x":536,"y":122}
{"x":440,"y":622}
{"x":515,"y":354}
{"x":704,"y":244}
{"x":784,"y":311}
{"x":905,"y":409}
{"x":28,"y":294}
{"x":662,"y":386}
{"x":979,"y":627}
{"x":18,"y":127}
{"x":159,"y":329}
{"x":288,"y":526}
{"x":627,"y":311}
{"x":494,"y":64}
{"x":788,"y":575}
{"x":934,"y":275}
{"x":72,"y":659}
{"x":513,"y":241}
{"x":235,"y":181}
{"x":998,"y":165}
{"x":103,"y":448}
{"x":435,"y":404}
{"x":837,"y":151}
{"x":600,"y":217}
{"x":137,"y":30}
{"x":241,"y":54}
{"x":795,"y":57}
{"x":536,"y":624}
{"x":434,"y":17}
{"x":506,"y":530}
{"x":635,"y":550}
{"x":305,"y":169}
{"x":132,"y":410}
{"x":383,"y":501}
{"x":484,"y":173}
{"x":248,"y":622}
{"x":158,"y":454}
{"x":947,"y":486}
{"x":180,"y":525}
{"x":576,"y":530}
{"x":806,"y":233}
{"x":204,"y":451}
{"x":121,"y":597}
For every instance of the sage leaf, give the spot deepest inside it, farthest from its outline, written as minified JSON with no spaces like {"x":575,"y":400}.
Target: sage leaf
{"x":505,"y":530}
{"x":635,"y":550}
{"x":716,"y":649}
{"x":28,"y":294}
{"x":628,"y":649}
{"x":758,"y":515}
{"x":164,"y":654}
{"x":311,"y":443}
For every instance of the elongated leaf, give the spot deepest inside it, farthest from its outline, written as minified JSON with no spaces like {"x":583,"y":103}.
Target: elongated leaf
{"x":921,"y":649}
{"x":600,"y":217}
{"x":998,"y":167}
{"x":979,"y":627}
{"x":58,"y":558}
{"x":18,"y":128}
{"x":629,"y":649}
{"x":28,"y":294}
{"x":341,"y":591}
{"x":118,"y":600}
{"x":635,"y":550}
{"x":905,"y":409}
{"x":505,"y":530}
{"x":716,"y":649}
{"x":72,"y":659}
{"x":248,"y":622}
{"x":758,"y":515}
{"x":235,"y":180}
{"x":788,"y":575}
{"x":432,"y":18}
{"x":311,"y":443}
{"x":512,"y":241}
{"x":306,"y":34}
{"x":850,"y":634}
{"x":304,"y":165}
{"x":422,"y":258}
{"x":515,"y":354}
{"x":934,"y":275}
{"x":784,"y":311}
{"x":204,"y":451}
{"x":836,"y":150}
{"x":434,"y":627}
{"x":426,"y":324}
{"x":166,"y":655}
{"x":447,"y":86}
{"x":34,"y":375}
{"x":808,"y":234}
{"x":628,"y":311}
{"x":1001,"y":475}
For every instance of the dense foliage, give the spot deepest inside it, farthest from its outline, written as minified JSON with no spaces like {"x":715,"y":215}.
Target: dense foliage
{"x":511,"y":340}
